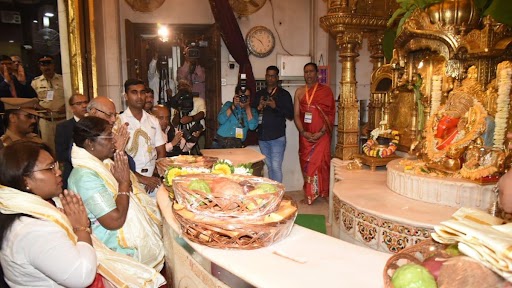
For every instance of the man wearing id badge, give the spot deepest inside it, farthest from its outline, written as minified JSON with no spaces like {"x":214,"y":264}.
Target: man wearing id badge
{"x":50,"y":92}
{"x":235,"y":119}
{"x":314,"y":112}
{"x":274,"y":106}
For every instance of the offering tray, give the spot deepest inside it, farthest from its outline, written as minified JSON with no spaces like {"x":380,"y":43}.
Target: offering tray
{"x":232,"y":195}
{"x":185,"y":161}
{"x":413,"y":254}
{"x":237,"y":233}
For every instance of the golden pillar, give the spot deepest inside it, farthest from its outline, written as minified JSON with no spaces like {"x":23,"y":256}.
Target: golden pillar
{"x":347,"y":143}
{"x":348,"y":21}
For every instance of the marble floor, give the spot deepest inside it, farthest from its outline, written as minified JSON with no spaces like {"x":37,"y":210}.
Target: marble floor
{"x":320,"y":206}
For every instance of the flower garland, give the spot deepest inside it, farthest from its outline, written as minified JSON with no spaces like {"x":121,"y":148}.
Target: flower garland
{"x":370,"y":149}
{"x":436,"y":94}
{"x":504,"y":84}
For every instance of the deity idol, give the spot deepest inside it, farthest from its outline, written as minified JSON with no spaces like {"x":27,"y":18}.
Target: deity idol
{"x":453,"y":128}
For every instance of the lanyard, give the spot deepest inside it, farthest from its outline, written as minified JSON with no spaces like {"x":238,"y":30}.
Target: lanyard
{"x":309,"y":99}
{"x":273,"y":91}
{"x":239,"y":117}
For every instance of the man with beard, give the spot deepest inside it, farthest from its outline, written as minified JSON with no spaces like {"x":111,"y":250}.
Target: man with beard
{"x":20,"y":119}
{"x":150,"y":100}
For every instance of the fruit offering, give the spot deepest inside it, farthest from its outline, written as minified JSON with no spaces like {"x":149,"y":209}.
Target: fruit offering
{"x":413,"y":276}
{"x":227,"y":195}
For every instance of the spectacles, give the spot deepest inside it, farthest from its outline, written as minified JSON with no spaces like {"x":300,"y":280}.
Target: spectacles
{"x":44,"y":63}
{"x":54,"y":167}
{"x":109,"y":115}
{"x":105,"y":137}
{"x":80,"y":103}
{"x":271,"y":76}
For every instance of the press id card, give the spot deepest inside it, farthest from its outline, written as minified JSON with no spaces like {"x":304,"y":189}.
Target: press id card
{"x":239,"y":133}
{"x":308,"y":117}
{"x":49,"y":95}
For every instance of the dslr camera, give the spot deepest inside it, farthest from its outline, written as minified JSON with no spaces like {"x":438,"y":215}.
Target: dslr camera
{"x":182,"y":101}
{"x":187,"y":133}
{"x":243,"y":89}
{"x":267,"y":97}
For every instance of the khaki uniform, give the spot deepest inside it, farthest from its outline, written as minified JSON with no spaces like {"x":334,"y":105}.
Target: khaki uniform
{"x":51,"y":96}
{"x":10,"y":137}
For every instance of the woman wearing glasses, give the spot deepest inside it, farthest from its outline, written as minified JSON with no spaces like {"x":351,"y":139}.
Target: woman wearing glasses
{"x":122,"y":216}
{"x":39,"y":245}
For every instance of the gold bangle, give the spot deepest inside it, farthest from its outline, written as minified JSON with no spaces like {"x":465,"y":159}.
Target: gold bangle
{"x":86,"y":229}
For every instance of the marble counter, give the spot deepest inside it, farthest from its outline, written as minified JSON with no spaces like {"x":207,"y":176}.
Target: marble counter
{"x":364,"y":211}
{"x":326,"y":261}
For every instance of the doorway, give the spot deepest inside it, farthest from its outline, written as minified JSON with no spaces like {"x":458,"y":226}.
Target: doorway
{"x":143,"y":43}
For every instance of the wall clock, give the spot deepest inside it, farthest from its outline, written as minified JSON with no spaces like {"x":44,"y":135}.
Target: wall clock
{"x":260,"y":41}
{"x":144,"y":5}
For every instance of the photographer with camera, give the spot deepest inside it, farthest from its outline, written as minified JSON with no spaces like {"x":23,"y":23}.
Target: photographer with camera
{"x":274,"y":106}
{"x":187,"y":113}
{"x":192,"y":71}
{"x":235,"y":119}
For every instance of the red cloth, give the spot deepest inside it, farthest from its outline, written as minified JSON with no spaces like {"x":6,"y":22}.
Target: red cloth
{"x":98,"y":282}
{"x":315,"y":157}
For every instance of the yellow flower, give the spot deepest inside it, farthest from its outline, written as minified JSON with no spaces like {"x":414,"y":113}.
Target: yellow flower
{"x":221,"y":169}
{"x":173,"y":172}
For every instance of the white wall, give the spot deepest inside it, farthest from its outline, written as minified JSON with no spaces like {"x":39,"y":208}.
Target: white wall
{"x":296,"y":24}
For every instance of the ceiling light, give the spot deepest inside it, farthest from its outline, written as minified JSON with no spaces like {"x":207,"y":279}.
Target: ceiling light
{"x":35,"y":21}
{"x":48,"y":14}
{"x":163,"y":33}
{"x":11,"y":41}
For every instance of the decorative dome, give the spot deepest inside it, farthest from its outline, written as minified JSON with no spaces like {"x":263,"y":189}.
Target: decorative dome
{"x":456,"y":13}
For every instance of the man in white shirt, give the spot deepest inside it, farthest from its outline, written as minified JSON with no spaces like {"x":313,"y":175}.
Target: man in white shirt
{"x":147,"y":142}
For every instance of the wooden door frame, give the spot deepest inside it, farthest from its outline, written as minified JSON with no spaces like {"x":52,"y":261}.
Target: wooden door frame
{"x":135,"y":54}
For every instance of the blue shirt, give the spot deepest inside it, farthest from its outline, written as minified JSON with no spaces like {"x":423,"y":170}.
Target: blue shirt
{"x":237,"y":119}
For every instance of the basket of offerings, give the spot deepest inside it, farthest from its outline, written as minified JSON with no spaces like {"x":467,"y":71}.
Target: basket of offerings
{"x":237,"y":233}
{"x":470,"y":251}
{"x":192,"y":161}
{"x":219,"y":195}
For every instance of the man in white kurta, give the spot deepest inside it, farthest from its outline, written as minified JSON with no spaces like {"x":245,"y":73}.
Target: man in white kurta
{"x":147,"y":142}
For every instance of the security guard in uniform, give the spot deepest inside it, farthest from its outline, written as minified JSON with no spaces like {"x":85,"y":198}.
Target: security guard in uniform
{"x":20,"y":118}
{"x":50,"y":92}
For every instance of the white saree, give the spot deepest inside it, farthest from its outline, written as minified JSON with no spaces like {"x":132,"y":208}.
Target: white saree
{"x":120,"y":270}
{"x":142,"y":229}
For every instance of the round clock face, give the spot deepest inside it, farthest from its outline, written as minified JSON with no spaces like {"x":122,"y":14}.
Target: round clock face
{"x":260,"y":41}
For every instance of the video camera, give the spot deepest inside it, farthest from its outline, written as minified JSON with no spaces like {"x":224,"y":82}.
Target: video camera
{"x":187,"y":133}
{"x":243,"y":89}
{"x":192,"y":51}
{"x":182,"y":101}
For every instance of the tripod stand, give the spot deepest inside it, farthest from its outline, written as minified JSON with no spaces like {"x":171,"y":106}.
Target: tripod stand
{"x":163,"y":84}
